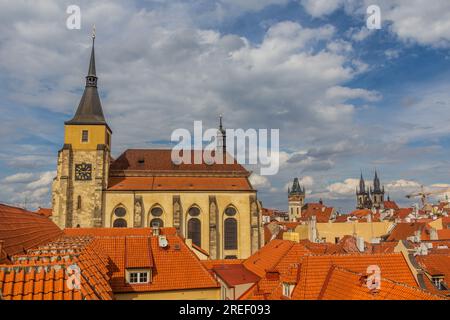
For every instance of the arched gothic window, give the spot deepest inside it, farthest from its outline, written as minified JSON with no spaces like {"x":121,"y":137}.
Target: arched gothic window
{"x":230,"y":234}
{"x":156,"y":223}
{"x":194,"y":231}
{"x":120,"y":223}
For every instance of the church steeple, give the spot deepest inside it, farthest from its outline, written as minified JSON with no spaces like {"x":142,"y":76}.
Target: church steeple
{"x":89,"y":111}
{"x":222,"y":136}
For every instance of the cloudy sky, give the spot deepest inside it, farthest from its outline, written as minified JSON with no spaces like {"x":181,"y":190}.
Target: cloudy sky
{"x":345,"y":98}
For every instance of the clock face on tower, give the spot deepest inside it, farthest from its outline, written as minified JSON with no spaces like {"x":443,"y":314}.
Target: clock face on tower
{"x":83,"y":171}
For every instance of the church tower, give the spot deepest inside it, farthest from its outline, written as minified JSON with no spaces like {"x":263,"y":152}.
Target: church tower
{"x":363,"y":195}
{"x":377,"y":193}
{"x":83,"y":162}
{"x":296,"y":199}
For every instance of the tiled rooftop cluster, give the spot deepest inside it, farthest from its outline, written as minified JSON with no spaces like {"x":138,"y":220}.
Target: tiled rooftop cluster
{"x":43,"y":273}
{"x":315,"y":276}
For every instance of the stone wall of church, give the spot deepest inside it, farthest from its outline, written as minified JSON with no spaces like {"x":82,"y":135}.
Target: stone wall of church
{"x":79,"y":203}
{"x":175,"y":208}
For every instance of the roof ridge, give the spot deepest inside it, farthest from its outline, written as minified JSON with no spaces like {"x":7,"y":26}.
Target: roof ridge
{"x":326,"y":281}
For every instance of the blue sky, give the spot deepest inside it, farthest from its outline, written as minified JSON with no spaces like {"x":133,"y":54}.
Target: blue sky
{"x":345,"y":98}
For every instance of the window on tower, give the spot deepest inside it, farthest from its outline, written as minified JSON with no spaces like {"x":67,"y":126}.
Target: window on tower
{"x":85,"y":136}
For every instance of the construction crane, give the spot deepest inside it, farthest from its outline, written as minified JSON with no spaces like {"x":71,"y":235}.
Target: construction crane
{"x":424,"y":195}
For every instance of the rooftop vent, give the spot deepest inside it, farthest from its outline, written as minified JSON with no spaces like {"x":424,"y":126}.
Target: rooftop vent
{"x":141,"y":160}
{"x":176,"y":246}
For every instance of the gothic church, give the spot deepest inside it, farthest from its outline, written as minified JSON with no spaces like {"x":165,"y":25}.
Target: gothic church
{"x":213,"y":205}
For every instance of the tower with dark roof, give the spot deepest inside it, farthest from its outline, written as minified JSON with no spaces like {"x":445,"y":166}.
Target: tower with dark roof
{"x":377,"y":192}
{"x":296,"y":200}
{"x":363,"y":200}
{"x":83,"y":162}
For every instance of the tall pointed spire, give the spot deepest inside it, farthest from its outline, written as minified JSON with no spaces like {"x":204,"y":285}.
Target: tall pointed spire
{"x":222,"y":136}
{"x":90,"y":110}
{"x":362,"y":184}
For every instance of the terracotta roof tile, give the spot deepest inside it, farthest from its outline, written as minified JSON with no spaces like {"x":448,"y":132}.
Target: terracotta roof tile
{"x":21,"y":229}
{"x":180,"y":183}
{"x":314,"y":270}
{"x":444,"y":234}
{"x":404,"y":230}
{"x":342,"y":284}
{"x":46,"y":279}
{"x":235,"y":274}
{"x":174,"y":268}
{"x":160,"y":160}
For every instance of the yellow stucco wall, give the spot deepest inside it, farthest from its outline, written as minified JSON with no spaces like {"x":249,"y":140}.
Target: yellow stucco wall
{"x":436,"y":224}
{"x":195,"y":294}
{"x":239,"y":200}
{"x":330,"y":231}
{"x":97,"y":135}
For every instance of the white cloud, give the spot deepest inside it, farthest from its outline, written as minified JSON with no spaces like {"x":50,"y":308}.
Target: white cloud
{"x":19,"y":178}
{"x":319,"y":8}
{"x":258,"y":181}
{"x":29,"y":190}
{"x":402,"y":184}
{"x":45,"y":179}
{"x":346,"y":188}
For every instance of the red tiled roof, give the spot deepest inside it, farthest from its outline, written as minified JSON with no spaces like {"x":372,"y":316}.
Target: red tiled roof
{"x":270,"y":255}
{"x":179,"y":183}
{"x":210,"y":264}
{"x":404,"y":230}
{"x":443,"y":234}
{"x":402,"y":213}
{"x":342,"y":284}
{"x":234,"y":274}
{"x":309,"y":273}
{"x":435,"y":265}
{"x":138,"y":252}
{"x":160,"y":160}
{"x":314,"y":270}
{"x":46,"y":212}
{"x":21,"y":230}
{"x":321,"y":212}
{"x":42,"y":273}
{"x":174,"y":268}
{"x":390,"y":205}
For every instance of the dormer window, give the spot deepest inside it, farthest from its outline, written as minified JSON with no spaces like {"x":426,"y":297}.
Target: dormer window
{"x":438,"y":282}
{"x":138,"y":276}
{"x":287,"y":289}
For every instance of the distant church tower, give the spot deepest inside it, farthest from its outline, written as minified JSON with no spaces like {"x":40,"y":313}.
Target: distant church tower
{"x":377,"y":193}
{"x":83,"y":162}
{"x":363,"y":195}
{"x":296,"y":199}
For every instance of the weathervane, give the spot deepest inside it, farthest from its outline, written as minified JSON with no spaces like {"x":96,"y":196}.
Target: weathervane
{"x":93,"y":32}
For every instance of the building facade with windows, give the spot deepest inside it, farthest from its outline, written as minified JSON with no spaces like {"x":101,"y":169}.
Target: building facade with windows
{"x":213,"y":204}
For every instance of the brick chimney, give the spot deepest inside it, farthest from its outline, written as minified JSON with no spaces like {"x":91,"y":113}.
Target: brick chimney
{"x":155,"y":231}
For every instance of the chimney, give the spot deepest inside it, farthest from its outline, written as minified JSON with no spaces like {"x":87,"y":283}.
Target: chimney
{"x":417,"y":236}
{"x":433,"y":234}
{"x":155,"y":231}
{"x":313,"y":229}
{"x":360,"y":244}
